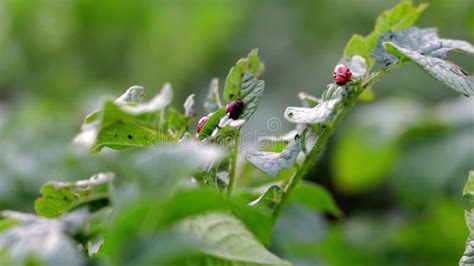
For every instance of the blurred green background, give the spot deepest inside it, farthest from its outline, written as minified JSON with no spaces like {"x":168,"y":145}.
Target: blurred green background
{"x":396,"y":166}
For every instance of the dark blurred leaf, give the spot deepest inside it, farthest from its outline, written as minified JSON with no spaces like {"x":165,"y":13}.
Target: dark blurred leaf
{"x":399,"y":17}
{"x":136,"y":222}
{"x":233,"y":84}
{"x":365,"y":151}
{"x":43,"y":239}
{"x":61,"y":197}
{"x":226,"y":238}
{"x":314,"y":197}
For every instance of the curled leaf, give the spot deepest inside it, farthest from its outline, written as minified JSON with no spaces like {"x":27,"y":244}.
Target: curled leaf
{"x":316,"y":115}
{"x":157,"y":103}
{"x":272,"y":162}
{"x":448,"y":73}
{"x":188,"y":105}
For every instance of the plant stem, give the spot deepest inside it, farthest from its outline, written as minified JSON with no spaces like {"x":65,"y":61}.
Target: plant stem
{"x":233,"y":166}
{"x":322,"y":139}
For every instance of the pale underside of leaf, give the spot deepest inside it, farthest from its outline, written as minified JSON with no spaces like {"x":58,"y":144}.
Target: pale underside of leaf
{"x":39,"y":237}
{"x":157,"y":103}
{"x":226,"y":238}
{"x":448,"y":73}
{"x":272,"y":162}
{"x":188,"y":105}
{"x":318,"y":114}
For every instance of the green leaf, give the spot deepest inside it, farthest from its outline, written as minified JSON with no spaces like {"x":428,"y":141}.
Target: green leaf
{"x":357,"y":45}
{"x":400,"y":17}
{"x":233,"y":84}
{"x":446,"y":72}
{"x":177,"y":121}
{"x":251,"y":92}
{"x":212,"y":123}
{"x":273,"y":162}
{"x":121,"y":130}
{"x":61,"y":197}
{"x":226,"y":238}
{"x":126,"y":123}
{"x":314,"y":197}
{"x":468,"y":190}
{"x":135,"y":224}
{"x":5,"y":224}
{"x":371,"y":138}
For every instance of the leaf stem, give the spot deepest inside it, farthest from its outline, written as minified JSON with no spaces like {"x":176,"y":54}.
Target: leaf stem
{"x":323,"y":137}
{"x":233,"y":166}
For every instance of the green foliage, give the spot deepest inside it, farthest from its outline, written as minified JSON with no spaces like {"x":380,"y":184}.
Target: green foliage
{"x":226,"y":238}
{"x":315,"y":197}
{"x":250,"y":65}
{"x":62,"y":197}
{"x":176,"y":204}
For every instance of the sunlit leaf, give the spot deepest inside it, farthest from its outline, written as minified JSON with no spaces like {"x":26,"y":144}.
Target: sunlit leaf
{"x":316,"y":115}
{"x":400,"y":17}
{"x":44,"y":239}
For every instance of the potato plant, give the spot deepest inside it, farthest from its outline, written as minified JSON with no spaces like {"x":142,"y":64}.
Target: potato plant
{"x":193,"y":211}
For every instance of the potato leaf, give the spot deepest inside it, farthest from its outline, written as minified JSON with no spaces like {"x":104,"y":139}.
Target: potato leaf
{"x":314,"y":197}
{"x":233,"y":84}
{"x":226,"y":238}
{"x":62,"y":197}
{"x":448,"y":73}
{"x":273,"y":162}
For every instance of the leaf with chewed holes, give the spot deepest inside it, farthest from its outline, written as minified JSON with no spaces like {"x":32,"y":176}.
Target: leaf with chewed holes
{"x":61,"y":197}
{"x":448,"y":73}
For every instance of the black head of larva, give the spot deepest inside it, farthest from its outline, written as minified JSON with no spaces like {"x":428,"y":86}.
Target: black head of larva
{"x":235,"y":109}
